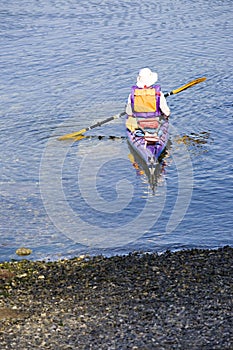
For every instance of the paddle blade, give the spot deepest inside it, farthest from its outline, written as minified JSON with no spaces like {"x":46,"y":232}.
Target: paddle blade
{"x":73,"y":135}
{"x":79,"y":137}
{"x":188,"y":85}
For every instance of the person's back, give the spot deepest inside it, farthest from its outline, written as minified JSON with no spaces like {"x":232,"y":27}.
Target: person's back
{"x":146,"y":99}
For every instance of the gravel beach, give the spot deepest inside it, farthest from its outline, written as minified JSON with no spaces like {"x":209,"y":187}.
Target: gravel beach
{"x":180,"y":300}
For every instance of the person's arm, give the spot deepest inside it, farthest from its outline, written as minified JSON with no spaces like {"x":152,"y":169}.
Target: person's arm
{"x":128,"y":109}
{"x":163,"y":105}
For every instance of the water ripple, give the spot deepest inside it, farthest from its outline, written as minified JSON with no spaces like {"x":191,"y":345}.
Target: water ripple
{"x":66,"y":64}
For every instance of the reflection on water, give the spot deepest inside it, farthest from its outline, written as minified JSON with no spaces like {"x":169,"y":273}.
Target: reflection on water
{"x":194,"y":139}
{"x":150,"y":181}
{"x":196,"y":142}
{"x":99,"y":137}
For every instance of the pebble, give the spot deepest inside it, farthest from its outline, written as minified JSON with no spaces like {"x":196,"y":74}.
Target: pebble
{"x":180,"y":300}
{"x":23,"y":251}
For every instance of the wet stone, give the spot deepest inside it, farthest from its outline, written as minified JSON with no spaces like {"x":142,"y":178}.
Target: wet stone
{"x":180,"y":300}
{"x":10,"y":313}
{"x":23,"y":251}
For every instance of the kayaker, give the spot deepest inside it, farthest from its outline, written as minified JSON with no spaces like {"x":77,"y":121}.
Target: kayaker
{"x":146,"y":99}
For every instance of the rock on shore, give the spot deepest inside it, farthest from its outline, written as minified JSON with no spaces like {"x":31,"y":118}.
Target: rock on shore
{"x":180,"y":300}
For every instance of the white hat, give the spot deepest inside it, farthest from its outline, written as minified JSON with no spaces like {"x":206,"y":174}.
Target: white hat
{"x":146,"y":78}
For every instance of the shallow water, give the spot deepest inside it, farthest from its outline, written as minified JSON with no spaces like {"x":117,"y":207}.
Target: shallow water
{"x":67,"y":64}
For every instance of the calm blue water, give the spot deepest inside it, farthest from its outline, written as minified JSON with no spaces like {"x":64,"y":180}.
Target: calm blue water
{"x":65,"y":65}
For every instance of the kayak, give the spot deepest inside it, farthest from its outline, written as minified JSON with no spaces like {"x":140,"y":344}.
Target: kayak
{"x":147,"y":139}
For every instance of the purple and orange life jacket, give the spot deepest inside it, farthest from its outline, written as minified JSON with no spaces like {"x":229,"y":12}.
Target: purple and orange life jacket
{"x":145,"y":102}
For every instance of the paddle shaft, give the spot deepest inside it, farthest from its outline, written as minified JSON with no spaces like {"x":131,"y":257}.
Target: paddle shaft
{"x":186,"y":86}
{"x":80,"y":132}
{"x":168,"y":94}
{"x":103,"y":122}
{"x":96,"y":125}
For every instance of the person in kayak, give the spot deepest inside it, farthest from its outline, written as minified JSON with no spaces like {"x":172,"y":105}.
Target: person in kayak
{"x":146,"y":99}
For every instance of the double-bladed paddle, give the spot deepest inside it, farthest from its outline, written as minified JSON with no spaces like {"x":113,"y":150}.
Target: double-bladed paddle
{"x":82,"y":131}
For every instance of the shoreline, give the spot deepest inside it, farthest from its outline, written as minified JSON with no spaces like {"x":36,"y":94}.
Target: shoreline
{"x":174,"y":300}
